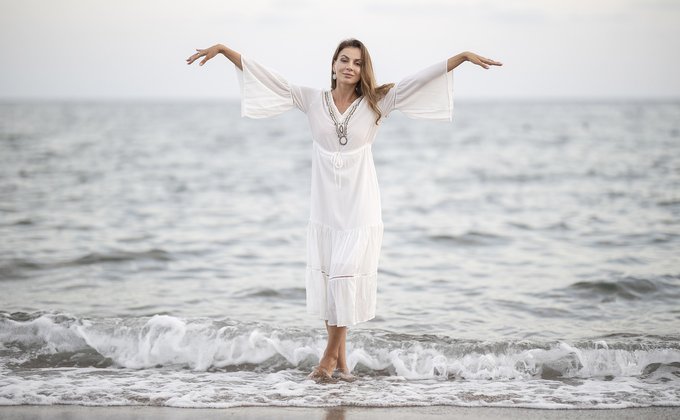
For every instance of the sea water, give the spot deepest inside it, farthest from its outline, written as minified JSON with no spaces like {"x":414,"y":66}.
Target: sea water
{"x":153,"y":254}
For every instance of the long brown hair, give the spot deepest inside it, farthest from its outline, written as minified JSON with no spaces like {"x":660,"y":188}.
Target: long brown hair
{"x":367,"y":85}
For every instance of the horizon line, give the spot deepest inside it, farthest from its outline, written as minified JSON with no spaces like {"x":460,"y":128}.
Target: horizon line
{"x":210,"y":99}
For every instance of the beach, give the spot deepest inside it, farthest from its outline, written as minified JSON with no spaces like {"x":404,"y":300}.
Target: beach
{"x":333,"y":413}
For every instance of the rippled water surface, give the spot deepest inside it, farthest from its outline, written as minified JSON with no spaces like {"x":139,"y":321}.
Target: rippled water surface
{"x":530,"y":257}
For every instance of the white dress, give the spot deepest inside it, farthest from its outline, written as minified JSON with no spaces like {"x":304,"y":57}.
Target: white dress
{"x":345,"y":229}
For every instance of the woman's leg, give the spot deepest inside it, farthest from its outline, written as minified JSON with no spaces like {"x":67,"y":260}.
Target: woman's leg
{"x":333,"y":357}
{"x":342,"y":352}
{"x":336,"y":337}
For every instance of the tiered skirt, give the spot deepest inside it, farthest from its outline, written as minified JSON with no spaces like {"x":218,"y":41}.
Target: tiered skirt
{"x":341,"y":277}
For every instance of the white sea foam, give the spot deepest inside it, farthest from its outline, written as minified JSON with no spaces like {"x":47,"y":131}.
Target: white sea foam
{"x":204,"y":344}
{"x":290,"y":388}
{"x":231,"y":364}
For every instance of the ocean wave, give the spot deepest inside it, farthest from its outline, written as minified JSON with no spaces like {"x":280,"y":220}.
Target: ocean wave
{"x":554,"y":226}
{"x":59,"y":340}
{"x":53,"y":358}
{"x":122,"y":256}
{"x":628,"y":288}
{"x":636,"y":239}
{"x":21,"y":267}
{"x":288,"y":293}
{"x":624,"y":288}
{"x":471,"y":238}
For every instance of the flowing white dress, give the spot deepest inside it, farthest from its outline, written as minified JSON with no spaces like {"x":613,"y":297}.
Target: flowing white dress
{"x":345,"y":229}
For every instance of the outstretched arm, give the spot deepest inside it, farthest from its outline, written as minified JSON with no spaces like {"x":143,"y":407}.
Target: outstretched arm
{"x":211,"y":52}
{"x":458,"y":59}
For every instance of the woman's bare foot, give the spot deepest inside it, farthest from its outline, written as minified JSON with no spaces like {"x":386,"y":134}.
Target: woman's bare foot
{"x":328,"y":363}
{"x":344,"y":375}
{"x":321,"y":376}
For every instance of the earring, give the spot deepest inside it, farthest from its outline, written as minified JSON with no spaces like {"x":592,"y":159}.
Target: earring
{"x":334,"y":76}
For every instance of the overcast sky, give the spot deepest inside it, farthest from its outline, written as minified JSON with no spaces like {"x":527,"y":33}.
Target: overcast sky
{"x":71,"y":49}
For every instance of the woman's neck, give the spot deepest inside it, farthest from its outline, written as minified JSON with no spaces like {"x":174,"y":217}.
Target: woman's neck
{"x":344,"y":93}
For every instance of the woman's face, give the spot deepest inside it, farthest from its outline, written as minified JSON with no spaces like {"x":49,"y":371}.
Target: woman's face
{"x":347,"y":66}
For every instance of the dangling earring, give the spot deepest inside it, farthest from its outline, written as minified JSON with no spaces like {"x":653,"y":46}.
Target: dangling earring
{"x":334,"y":76}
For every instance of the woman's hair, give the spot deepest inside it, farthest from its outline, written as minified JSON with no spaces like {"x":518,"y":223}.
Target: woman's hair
{"x":367,"y":85}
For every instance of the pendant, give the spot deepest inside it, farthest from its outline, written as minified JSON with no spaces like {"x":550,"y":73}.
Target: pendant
{"x":342,"y":135}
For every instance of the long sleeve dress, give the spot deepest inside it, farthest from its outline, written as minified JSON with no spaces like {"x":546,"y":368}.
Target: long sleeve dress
{"x":345,"y":228}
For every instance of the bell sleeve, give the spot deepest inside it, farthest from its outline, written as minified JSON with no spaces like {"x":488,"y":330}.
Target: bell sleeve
{"x":265,"y":93}
{"x":426,"y":94}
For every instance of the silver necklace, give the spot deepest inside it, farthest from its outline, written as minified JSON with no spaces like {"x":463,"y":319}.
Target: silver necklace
{"x":341,"y":128}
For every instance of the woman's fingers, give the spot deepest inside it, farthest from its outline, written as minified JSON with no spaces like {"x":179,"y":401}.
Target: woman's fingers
{"x":484,"y":62}
{"x":490,"y":61}
{"x":196,"y":56}
{"x":476,"y":59}
{"x":208,"y":55}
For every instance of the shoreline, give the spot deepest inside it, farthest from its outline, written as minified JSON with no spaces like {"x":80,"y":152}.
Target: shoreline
{"x":79,"y":412}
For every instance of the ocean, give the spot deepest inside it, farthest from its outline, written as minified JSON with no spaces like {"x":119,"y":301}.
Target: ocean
{"x":154,"y":254}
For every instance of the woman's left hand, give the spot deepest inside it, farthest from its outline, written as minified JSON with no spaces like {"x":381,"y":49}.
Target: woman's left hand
{"x":481,"y":61}
{"x":459,"y":59}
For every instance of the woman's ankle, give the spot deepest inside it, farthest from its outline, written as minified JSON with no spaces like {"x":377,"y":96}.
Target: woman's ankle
{"x":328,"y":363}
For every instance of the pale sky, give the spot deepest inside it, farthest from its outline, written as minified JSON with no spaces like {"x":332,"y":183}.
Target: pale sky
{"x":135,"y":49}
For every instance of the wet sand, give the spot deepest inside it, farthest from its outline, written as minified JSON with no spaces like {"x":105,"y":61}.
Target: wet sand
{"x":64,"y":412}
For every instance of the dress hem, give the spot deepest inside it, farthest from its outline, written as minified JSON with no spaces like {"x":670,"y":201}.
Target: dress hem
{"x":341,"y":300}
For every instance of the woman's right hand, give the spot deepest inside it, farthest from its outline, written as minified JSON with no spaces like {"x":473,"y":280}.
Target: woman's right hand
{"x":208,"y":53}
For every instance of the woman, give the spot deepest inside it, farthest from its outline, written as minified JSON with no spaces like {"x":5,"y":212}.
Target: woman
{"x":345,"y":228}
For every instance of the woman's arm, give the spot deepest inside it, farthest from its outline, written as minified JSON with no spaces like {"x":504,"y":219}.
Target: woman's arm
{"x":211,"y":52}
{"x":458,"y":59}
